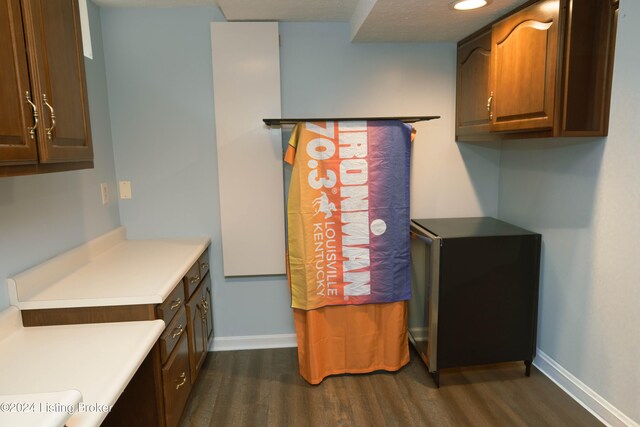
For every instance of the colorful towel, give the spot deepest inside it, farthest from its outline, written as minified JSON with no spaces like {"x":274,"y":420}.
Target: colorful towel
{"x":348,"y":213}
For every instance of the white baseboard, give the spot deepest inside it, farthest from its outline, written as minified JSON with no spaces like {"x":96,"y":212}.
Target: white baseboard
{"x":581,"y":393}
{"x":254,"y":342}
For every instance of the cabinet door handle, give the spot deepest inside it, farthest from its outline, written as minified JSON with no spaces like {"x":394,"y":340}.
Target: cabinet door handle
{"x":194,"y":279}
{"x":203,"y":311}
{"x":490,"y":106}
{"x":53,"y":117}
{"x":205,"y":305}
{"x":177,"y":331}
{"x":32,"y":129}
{"x":205,"y":265}
{"x":184,"y":380}
{"x":175,"y":304}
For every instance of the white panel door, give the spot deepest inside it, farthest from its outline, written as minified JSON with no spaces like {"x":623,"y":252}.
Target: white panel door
{"x":246,"y":89}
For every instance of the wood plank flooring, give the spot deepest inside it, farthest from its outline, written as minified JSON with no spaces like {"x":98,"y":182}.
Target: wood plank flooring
{"x":263,"y":388}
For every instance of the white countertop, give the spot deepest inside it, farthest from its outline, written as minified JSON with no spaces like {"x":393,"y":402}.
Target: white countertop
{"x":39,"y":409}
{"x":109,"y":270}
{"x":97,"y":360}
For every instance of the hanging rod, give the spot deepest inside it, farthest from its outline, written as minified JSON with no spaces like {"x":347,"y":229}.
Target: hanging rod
{"x":412,"y":119}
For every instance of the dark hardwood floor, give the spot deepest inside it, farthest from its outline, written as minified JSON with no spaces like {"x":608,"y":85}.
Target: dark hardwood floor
{"x":263,"y":388}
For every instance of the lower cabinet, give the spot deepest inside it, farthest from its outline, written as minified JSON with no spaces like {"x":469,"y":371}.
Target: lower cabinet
{"x":185,"y":342}
{"x":200,"y":325}
{"x":176,"y":382}
{"x":209,"y":313}
{"x":159,"y":391}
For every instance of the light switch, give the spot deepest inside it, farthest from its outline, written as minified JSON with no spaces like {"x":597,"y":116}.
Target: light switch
{"x":104,"y":190}
{"x":125,"y":189}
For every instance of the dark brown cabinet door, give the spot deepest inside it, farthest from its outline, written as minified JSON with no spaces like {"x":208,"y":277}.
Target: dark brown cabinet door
{"x":207,"y":299}
{"x":176,"y":383}
{"x":17,"y":145}
{"x":524,"y":51}
{"x":474,"y":57}
{"x":196,"y":332}
{"x":57,"y":69}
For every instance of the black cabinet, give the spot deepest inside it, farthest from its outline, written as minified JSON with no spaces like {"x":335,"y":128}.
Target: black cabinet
{"x":475,"y":292}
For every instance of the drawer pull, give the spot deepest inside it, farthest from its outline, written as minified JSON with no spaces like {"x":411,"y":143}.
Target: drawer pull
{"x":205,"y":265}
{"x":177,"y":331}
{"x":194,"y":279}
{"x":184,"y":380}
{"x":175,"y":304}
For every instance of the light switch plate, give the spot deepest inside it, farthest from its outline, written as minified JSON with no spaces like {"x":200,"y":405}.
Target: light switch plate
{"x":125,"y":189}
{"x":104,"y":190}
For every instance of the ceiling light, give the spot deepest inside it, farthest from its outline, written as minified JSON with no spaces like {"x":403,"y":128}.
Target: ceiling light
{"x":468,"y":4}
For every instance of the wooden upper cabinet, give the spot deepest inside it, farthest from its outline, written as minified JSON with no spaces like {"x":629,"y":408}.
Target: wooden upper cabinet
{"x":523,"y":68}
{"x":42,"y":42}
{"x":472,"y":95}
{"x":588,"y":67}
{"x":58,"y":62}
{"x":548,"y":72}
{"x":17,"y":145}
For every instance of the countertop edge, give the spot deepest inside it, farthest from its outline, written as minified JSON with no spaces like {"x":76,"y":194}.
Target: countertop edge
{"x":114,"y":377}
{"x":162,"y":291}
{"x":122,"y":379}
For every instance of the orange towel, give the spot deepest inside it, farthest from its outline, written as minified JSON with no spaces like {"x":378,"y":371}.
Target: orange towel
{"x":351,"y":339}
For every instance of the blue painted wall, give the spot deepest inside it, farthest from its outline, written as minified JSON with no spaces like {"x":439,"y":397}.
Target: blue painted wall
{"x":584,"y":200}
{"x":582,"y":197}
{"x":160,"y":92}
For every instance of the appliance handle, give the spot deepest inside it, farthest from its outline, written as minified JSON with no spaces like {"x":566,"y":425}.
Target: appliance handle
{"x":425,"y":239}
{"x":433,"y":288}
{"x":417,"y":232}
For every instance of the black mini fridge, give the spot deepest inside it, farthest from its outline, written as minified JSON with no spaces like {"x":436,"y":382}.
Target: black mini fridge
{"x":474,"y":292}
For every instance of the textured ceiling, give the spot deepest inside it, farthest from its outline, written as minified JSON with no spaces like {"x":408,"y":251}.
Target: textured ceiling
{"x":371,"y":20}
{"x":288,"y":10}
{"x":154,"y":3}
{"x":425,"y":20}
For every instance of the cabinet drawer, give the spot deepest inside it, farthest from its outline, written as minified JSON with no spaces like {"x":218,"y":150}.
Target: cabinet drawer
{"x":176,"y":382}
{"x":172,"y":334}
{"x":171,"y":305}
{"x":203,"y":261}
{"x":192,"y":279}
